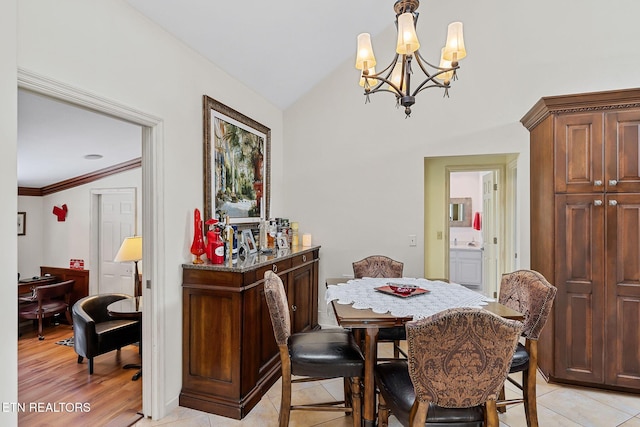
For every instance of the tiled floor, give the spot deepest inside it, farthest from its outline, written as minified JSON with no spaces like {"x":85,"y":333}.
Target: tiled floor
{"x":557,"y":406}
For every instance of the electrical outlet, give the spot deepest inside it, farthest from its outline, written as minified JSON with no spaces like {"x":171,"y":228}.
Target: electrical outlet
{"x":413,"y":240}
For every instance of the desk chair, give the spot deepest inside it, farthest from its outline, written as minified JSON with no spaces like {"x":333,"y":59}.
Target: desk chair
{"x":458,"y":361}
{"x":315,"y":355}
{"x":48,"y":301}
{"x":382,"y":266}
{"x":528,"y":292}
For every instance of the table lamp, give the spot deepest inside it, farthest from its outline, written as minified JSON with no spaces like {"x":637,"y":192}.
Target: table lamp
{"x":131,"y":250}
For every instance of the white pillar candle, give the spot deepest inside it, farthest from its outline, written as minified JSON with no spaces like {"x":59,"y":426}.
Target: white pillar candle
{"x":306,"y":240}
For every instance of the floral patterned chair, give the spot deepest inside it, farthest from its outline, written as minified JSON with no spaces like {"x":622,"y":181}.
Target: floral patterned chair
{"x":528,"y":292}
{"x":315,"y":355}
{"x":382,"y":266}
{"x":377,"y":266}
{"x":458,"y":362}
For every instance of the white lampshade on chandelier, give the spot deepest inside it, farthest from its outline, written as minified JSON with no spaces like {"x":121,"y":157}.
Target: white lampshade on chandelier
{"x":396,"y":77}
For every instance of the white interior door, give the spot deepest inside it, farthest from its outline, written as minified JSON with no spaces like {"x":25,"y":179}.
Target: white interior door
{"x":489,"y":234}
{"x":117,"y":221}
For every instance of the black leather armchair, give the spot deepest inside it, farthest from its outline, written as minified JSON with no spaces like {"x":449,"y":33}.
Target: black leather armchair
{"x":95,"y":332}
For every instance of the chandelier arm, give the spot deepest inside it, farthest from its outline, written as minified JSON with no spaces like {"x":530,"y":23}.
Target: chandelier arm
{"x":431,"y":77}
{"x":420,"y":61}
{"x":379,"y":88}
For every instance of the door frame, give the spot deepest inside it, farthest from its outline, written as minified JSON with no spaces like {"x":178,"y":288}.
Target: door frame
{"x":94,"y":225}
{"x":153,"y":382}
{"x":498,"y":173}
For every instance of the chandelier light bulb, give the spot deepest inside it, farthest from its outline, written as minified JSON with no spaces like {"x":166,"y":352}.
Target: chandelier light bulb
{"x":445,"y":77}
{"x":365,"y":58}
{"x":372,"y":82}
{"x":454,"y":49}
{"x":407,"y":37}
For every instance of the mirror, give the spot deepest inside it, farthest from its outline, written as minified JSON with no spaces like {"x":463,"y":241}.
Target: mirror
{"x":460,"y":212}
{"x":456,"y":211}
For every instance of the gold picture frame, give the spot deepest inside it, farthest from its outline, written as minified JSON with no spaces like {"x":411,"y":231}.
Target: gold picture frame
{"x":237,"y":160}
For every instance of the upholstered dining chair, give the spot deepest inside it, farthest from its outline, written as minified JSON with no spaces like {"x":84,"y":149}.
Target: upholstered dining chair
{"x":383,"y":266}
{"x":458,"y":361}
{"x":48,"y":301}
{"x":377,"y":266}
{"x":528,"y":292}
{"x":312,"y":355}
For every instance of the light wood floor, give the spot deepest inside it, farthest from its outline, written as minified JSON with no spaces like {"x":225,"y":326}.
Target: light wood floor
{"x":48,"y":374}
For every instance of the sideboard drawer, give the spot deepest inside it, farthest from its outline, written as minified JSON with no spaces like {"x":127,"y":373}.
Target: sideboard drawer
{"x":276,"y":267}
{"x":304,"y":258}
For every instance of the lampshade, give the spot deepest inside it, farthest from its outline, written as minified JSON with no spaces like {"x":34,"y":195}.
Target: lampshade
{"x":364,"y":57}
{"x":372,"y":82}
{"x":407,"y":37}
{"x":445,"y":77}
{"x":130,"y":250}
{"x":397,"y":73}
{"x":454,"y":48}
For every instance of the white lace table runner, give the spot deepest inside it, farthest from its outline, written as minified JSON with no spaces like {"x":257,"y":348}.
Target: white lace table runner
{"x":441,"y":296}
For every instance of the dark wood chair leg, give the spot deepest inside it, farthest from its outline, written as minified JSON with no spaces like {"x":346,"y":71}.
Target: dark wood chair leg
{"x":356,"y":401}
{"x":529,"y":394}
{"x":80,"y":358}
{"x":383,"y":412}
{"x":40,"y":336}
{"x":90,"y":365}
{"x":502,"y":409}
{"x":491,"y":414}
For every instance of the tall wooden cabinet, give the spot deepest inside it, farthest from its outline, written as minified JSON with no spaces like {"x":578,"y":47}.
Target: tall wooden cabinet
{"x":585,"y":234}
{"x":229,"y":354}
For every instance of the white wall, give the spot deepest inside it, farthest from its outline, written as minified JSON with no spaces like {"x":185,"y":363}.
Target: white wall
{"x":355,"y":171}
{"x":109,"y":49}
{"x":30,"y":246}
{"x":53,"y":243}
{"x":8,"y":231}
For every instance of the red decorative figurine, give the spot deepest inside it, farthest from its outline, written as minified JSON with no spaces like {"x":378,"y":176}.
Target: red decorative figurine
{"x":197,"y":247}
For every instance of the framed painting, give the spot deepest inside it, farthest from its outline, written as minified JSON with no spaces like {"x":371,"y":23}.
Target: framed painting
{"x":237,"y":158}
{"x":22,"y":223}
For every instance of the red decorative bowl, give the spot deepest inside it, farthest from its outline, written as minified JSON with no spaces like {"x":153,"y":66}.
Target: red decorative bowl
{"x":402,"y":289}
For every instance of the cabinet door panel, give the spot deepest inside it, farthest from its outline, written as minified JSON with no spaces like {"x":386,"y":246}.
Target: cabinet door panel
{"x":622,"y":151}
{"x":623,"y":290}
{"x":580,"y":282}
{"x":579,"y":158}
{"x":301,"y":298}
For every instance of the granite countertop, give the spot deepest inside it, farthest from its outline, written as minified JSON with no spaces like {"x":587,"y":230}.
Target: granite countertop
{"x":254,"y":260}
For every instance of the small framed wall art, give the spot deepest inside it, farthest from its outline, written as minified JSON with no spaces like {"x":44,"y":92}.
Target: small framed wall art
{"x":22,"y":223}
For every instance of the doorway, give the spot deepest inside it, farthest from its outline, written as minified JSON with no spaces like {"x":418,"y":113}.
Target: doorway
{"x":473,"y":240}
{"x":438,"y":235}
{"x":153,"y":384}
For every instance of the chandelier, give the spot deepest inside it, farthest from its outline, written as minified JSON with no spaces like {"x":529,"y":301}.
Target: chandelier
{"x":396,"y":77}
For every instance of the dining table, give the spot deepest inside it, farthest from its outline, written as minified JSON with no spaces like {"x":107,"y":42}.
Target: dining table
{"x":368,"y":304}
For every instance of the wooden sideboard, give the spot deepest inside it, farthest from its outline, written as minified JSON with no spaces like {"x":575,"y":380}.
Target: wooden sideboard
{"x":229,"y":354}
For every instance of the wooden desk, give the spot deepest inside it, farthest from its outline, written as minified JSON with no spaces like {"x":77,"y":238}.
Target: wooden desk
{"x":26,"y":286}
{"x":370,"y":322}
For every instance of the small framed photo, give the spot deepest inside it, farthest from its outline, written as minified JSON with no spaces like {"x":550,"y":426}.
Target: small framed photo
{"x":249,"y":241}
{"x":22,"y":223}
